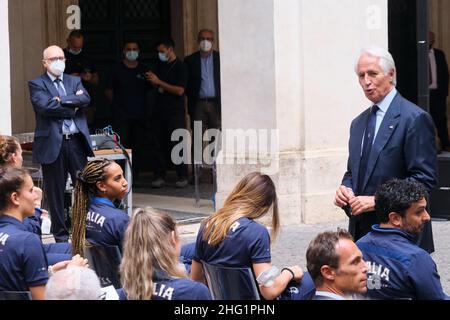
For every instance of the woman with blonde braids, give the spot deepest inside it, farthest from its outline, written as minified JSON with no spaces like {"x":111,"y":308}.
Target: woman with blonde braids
{"x":95,"y":217}
{"x":150,"y":267}
{"x":11,"y":157}
{"x":232,"y":238}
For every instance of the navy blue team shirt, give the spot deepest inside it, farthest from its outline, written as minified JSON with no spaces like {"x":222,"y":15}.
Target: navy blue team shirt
{"x":23,"y":263}
{"x":248,"y":242}
{"x":168,"y":288}
{"x":33,"y":223}
{"x":398,"y":268}
{"x":105,"y":224}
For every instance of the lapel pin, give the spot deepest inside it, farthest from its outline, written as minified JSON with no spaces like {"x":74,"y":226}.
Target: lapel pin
{"x":391,"y":127}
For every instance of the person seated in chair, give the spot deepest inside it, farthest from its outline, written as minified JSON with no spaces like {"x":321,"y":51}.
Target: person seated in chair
{"x":23,"y":264}
{"x":336,"y":266}
{"x":11,"y":157}
{"x":399,"y":268}
{"x":150,"y":268}
{"x":95,"y":216}
{"x":232,"y":238}
{"x":74,"y":284}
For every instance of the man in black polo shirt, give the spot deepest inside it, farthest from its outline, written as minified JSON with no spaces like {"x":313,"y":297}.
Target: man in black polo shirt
{"x":79,"y":65}
{"x":127,"y":89}
{"x":170,"y":79}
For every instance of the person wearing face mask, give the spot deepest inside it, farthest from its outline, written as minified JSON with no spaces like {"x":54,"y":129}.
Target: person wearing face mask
{"x":78,"y":64}
{"x":127,"y":89}
{"x":170,"y":79}
{"x":203,"y":90}
{"x":62,"y":142}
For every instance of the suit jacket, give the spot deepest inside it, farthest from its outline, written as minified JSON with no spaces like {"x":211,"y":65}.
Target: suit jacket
{"x":193,"y":63}
{"x":442,"y":73}
{"x":50,"y":115}
{"x":403,"y":148}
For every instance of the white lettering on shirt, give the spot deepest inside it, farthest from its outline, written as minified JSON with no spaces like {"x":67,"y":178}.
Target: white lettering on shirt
{"x":163,"y":291}
{"x":234,"y":226}
{"x":3,"y":238}
{"x":95,"y":218}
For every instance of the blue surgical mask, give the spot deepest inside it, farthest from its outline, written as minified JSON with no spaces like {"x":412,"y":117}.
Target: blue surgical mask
{"x":132,"y":55}
{"x":164,"y":57}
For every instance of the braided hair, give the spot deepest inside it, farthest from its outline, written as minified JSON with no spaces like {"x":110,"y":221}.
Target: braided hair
{"x":86,"y":186}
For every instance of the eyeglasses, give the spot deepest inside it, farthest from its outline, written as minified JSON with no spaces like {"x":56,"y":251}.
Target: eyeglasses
{"x":54,"y":59}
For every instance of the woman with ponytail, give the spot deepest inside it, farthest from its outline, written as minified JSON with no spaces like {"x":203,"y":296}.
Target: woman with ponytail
{"x":95,"y":217}
{"x":150,"y":267}
{"x":11,"y":157}
{"x":23,"y":264}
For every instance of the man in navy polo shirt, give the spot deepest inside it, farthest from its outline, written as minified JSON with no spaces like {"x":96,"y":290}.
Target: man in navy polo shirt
{"x":398,"y":268}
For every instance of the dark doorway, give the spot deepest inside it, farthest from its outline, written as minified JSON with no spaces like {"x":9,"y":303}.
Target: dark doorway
{"x":106,"y":24}
{"x":407,"y":31}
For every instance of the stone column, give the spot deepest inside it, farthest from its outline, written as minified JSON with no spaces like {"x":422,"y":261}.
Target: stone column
{"x":5,"y":88}
{"x":289,"y":66}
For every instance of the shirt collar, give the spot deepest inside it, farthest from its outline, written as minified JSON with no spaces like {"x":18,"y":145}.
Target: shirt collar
{"x":384,"y":104}
{"x":13,"y":221}
{"x":53,"y":78}
{"x":329,"y":295}
{"x":100,"y":200}
{"x":376,"y":228}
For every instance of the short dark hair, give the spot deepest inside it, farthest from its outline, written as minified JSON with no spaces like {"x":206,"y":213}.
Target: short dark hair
{"x":11,"y":180}
{"x":76,"y":34}
{"x":205,"y":30}
{"x":127,"y":41}
{"x":322,"y":251}
{"x":167,"y":42}
{"x":397,"y":196}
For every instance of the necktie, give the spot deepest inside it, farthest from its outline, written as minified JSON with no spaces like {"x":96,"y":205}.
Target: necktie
{"x":61,"y":92}
{"x":367,"y":146}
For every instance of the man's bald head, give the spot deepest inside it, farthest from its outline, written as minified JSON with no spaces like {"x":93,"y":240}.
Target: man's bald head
{"x":53,"y":59}
{"x":51,"y":52}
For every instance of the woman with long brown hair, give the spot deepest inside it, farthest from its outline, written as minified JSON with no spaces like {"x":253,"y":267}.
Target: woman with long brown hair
{"x":150,"y":267}
{"x":232,"y":238}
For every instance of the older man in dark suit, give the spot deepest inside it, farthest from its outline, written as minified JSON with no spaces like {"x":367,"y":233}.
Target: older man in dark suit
{"x":393,"y":138}
{"x":439,"y":78}
{"x":61,"y":141}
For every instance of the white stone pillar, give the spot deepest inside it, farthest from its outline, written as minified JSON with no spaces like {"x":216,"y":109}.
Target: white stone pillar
{"x":5,"y":88}
{"x":289,"y":65}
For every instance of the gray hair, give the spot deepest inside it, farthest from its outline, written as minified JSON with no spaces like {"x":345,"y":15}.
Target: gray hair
{"x":205,"y":30}
{"x":75,"y":283}
{"x":386,"y":61}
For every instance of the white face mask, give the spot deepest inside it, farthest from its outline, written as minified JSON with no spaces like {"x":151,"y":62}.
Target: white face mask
{"x":164,"y":57}
{"x":74,"y":52}
{"x":132,"y":55}
{"x":206,"y":46}
{"x":57,"y":68}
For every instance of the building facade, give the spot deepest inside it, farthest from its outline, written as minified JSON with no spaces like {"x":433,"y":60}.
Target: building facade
{"x":288,"y":82}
